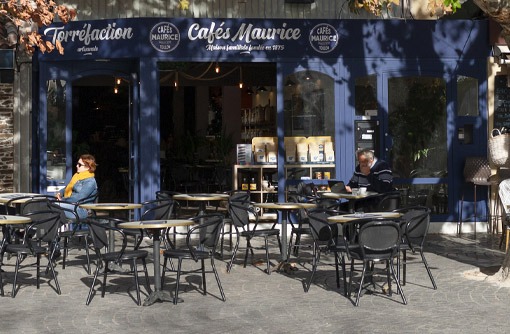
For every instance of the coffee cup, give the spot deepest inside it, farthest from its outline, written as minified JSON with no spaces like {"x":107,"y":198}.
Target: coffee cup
{"x":363,"y":191}
{"x":355,"y":191}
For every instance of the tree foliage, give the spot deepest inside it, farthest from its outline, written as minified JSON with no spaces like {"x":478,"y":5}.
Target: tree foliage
{"x":498,"y":10}
{"x":29,"y":15}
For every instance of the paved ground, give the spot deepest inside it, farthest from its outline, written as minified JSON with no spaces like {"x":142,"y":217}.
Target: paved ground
{"x":276,"y":303}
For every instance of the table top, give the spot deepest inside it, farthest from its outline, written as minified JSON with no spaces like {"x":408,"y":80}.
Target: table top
{"x":156,"y":224}
{"x":354,"y":216}
{"x":286,"y":205}
{"x":347,"y":195}
{"x":10,"y":220}
{"x":201,"y":197}
{"x":110,"y":206}
{"x":6,"y":197}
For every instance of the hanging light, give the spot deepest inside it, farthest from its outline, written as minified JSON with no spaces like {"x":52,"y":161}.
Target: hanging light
{"x":217,"y":68}
{"x":240,"y":78}
{"x":118,"y":81}
{"x":116,"y":90}
{"x":262,"y":89}
{"x":176,"y":81}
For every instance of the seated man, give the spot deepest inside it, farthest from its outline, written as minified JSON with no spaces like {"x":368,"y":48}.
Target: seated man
{"x":372,"y":173}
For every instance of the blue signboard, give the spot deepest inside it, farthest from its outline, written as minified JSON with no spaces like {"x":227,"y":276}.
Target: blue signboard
{"x":258,"y":39}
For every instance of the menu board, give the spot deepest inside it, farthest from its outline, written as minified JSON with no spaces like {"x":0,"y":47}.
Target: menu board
{"x":501,"y":102}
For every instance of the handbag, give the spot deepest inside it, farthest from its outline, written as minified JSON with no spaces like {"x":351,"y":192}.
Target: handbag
{"x":499,"y":148}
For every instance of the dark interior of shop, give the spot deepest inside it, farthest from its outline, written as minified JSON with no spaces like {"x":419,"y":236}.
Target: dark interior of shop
{"x":101,"y":122}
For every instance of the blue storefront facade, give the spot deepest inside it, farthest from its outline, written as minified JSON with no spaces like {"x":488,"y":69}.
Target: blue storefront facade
{"x":367,"y":65}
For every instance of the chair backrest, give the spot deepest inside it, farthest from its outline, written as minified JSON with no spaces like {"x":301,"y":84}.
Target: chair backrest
{"x":99,"y":231}
{"x":44,"y":227}
{"x":35,"y":205}
{"x":389,"y":202}
{"x":477,"y":169}
{"x":416,"y":227}
{"x":158,"y":209}
{"x":208,"y":230}
{"x":322,"y":231}
{"x":239,"y":208}
{"x":379,"y":239}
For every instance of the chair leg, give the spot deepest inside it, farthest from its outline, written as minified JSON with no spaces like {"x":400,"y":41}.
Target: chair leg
{"x":65,"y":253}
{"x":315,"y":261}
{"x":344,"y":275}
{"x":163,"y":271}
{"x":234,"y":253}
{"x":38,"y":274}
{"x":104,"y":279}
{"x":89,"y":297}
{"x":399,"y":288}
{"x":266,"y":245}
{"x":147,"y":282}
{"x":388,"y":277}
{"x":404,"y":266}
{"x":16,"y":270}
{"x":248,"y":248}
{"x":134,"y":269}
{"x":297,"y":243}
{"x":52,"y":268}
{"x":87,"y":254}
{"x":365,"y":265}
{"x":176,"y":293}
{"x":204,"y":284}
{"x":350,"y":278}
{"x":336,"y":271}
{"x":217,"y":279}
{"x":428,"y":269}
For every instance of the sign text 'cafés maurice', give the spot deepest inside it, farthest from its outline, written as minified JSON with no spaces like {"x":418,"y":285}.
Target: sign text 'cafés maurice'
{"x":202,"y":37}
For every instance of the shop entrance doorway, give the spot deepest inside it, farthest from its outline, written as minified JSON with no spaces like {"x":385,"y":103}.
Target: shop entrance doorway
{"x":100,"y":126}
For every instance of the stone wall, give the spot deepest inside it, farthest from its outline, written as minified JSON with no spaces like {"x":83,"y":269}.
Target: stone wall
{"x":6,"y":138}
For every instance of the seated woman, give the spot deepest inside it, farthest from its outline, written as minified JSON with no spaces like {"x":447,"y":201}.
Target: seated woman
{"x":82,"y":186}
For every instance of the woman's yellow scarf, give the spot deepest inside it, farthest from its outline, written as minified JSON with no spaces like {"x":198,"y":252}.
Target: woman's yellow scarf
{"x":76,"y":177}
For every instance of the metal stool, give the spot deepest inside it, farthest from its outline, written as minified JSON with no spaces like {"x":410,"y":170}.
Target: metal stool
{"x":477,"y":171}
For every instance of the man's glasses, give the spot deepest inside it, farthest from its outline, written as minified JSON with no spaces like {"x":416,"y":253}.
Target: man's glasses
{"x":80,"y":165}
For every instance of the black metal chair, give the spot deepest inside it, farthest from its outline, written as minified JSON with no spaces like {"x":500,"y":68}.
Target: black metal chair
{"x":377,"y":241}
{"x":39,"y":238}
{"x":240,"y":209}
{"x":326,"y":240}
{"x":414,"y":230}
{"x":201,"y":242}
{"x":157,"y":209}
{"x":300,"y":226}
{"x":73,"y":229}
{"x":99,"y":232}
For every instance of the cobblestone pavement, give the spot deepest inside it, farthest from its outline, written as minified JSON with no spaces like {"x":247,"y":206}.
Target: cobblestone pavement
{"x":276,"y":303}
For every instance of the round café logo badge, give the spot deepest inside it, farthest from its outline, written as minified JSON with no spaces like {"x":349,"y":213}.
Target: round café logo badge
{"x":165,"y":37}
{"x":323,"y":38}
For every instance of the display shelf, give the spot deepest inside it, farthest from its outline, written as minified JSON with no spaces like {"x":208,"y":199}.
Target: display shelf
{"x":293,"y":172}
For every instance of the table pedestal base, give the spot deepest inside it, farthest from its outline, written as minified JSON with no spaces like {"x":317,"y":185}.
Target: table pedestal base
{"x":160,"y":295}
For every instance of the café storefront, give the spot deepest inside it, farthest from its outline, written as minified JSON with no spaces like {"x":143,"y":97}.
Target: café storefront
{"x":414,"y":91}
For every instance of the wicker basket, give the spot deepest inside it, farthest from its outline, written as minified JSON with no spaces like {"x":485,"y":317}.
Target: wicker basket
{"x":499,"y":148}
